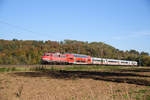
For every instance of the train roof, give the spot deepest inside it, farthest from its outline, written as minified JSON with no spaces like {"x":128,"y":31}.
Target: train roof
{"x":96,"y":58}
{"x":77,"y":55}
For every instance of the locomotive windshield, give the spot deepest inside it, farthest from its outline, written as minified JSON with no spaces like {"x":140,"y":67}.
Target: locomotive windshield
{"x":47,"y":54}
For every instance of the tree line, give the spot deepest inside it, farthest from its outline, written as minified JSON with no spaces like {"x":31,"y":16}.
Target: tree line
{"x":30,"y":51}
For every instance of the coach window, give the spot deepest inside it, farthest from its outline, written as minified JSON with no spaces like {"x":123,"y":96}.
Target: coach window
{"x":55,"y":55}
{"x":78,"y":61}
{"x":62,"y":56}
{"x":47,"y":55}
{"x":82,"y":61}
{"x":71,"y":58}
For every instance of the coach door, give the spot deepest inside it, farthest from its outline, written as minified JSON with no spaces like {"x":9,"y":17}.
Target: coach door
{"x":88,"y":60}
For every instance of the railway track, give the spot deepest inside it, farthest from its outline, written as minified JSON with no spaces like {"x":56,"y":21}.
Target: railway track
{"x":32,"y":66}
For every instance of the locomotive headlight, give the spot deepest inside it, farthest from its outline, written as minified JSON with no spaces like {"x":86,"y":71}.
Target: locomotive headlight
{"x":45,"y":58}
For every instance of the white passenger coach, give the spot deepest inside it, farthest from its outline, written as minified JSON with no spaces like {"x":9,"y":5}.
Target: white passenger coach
{"x":104,"y":61}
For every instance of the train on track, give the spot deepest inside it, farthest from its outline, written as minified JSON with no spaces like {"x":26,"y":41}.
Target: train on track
{"x":70,"y":58}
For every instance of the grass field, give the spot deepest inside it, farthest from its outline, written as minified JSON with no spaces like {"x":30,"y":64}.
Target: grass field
{"x":40,"y":82}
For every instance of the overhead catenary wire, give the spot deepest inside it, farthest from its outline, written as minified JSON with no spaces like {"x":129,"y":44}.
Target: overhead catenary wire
{"x":24,"y":29}
{"x":19,"y":27}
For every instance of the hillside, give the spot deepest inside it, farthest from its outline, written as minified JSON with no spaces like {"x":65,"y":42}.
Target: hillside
{"x":30,"y":51}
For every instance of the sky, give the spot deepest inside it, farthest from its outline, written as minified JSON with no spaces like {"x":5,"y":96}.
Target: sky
{"x":124,"y":24}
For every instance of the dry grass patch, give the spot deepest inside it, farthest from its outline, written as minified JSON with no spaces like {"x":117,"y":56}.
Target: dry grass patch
{"x":73,"y":84}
